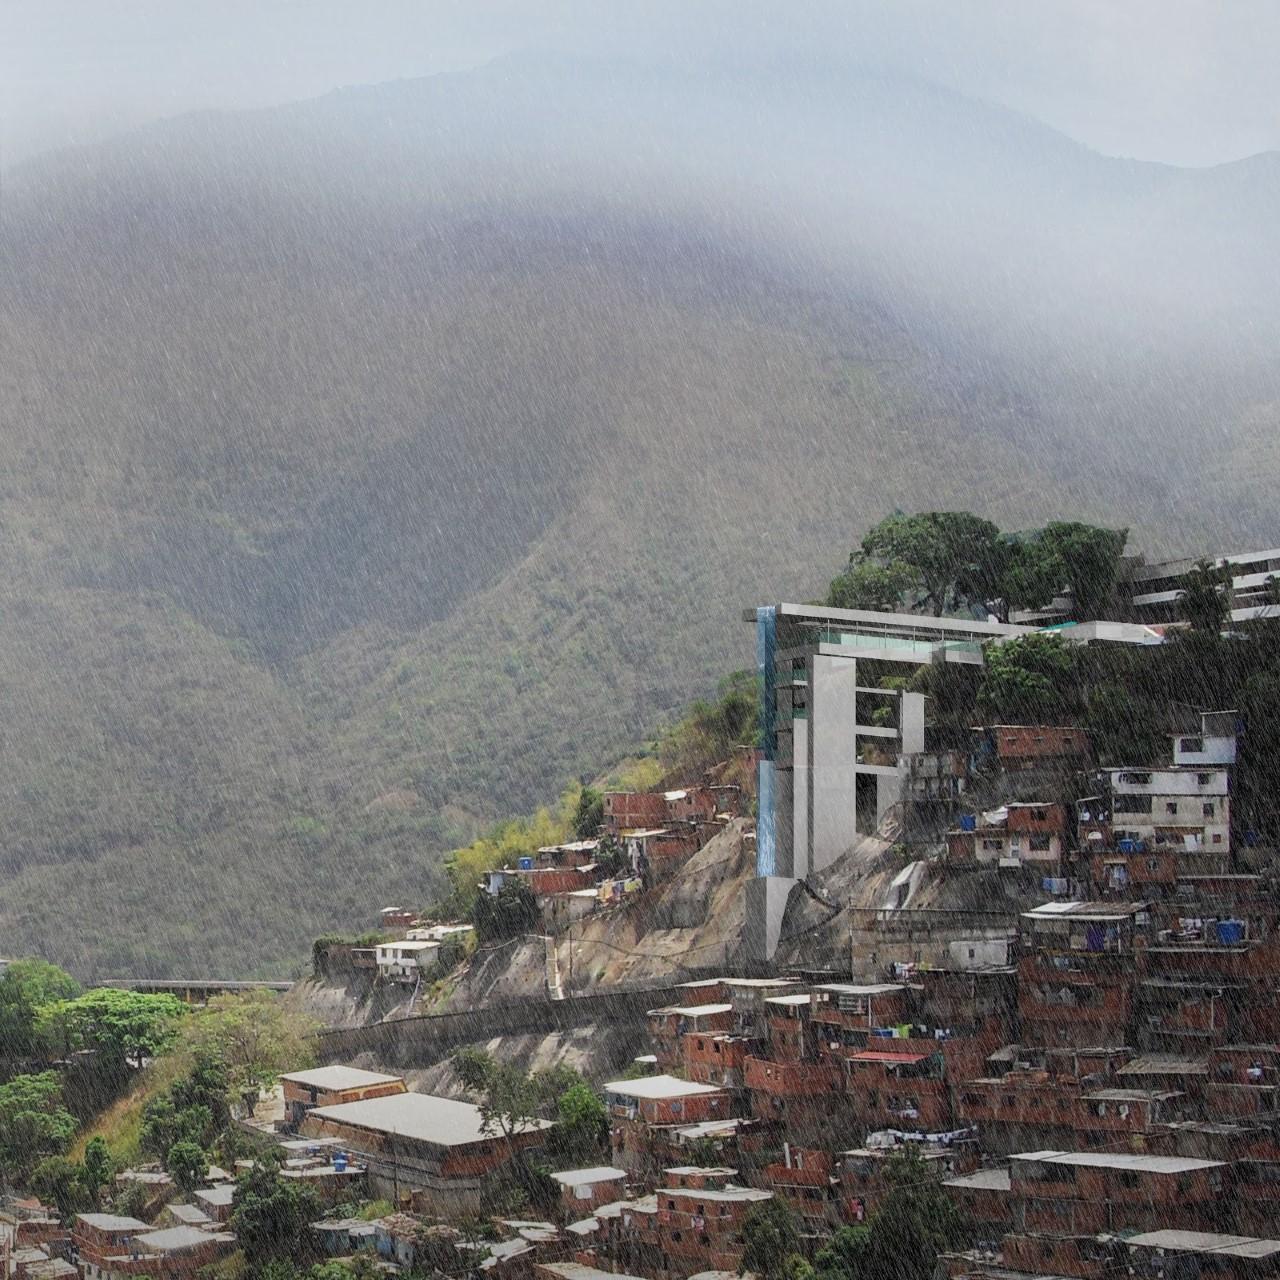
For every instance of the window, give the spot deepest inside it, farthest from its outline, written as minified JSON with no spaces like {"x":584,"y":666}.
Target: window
{"x":1039,"y":844}
{"x":1171,"y":806}
{"x":1132,"y":804}
{"x":1192,"y":745}
{"x":1153,"y":864}
{"x":1217,"y":839}
{"x":1207,"y":810}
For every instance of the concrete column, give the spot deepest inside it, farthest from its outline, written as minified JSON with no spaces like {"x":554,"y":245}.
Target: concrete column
{"x":766,"y":906}
{"x":832,"y":757}
{"x":911,"y":722}
{"x":798,"y":865}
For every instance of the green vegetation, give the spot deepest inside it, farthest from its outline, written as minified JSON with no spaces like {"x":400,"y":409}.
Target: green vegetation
{"x":903,"y":1238}
{"x":216,"y":1057}
{"x":589,"y":814}
{"x":308,"y":596}
{"x":772,"y":1239}
{"x":953,"y":561}
{"x":33,"y":1124}
{"x":271,"y":1215}
{"x":510,"y":912}
{"x":26,"y":987}
{"x":710,"y":731}
{"x":121,"y":1028}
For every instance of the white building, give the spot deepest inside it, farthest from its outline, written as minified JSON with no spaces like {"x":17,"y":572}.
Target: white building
{"x":404,"y":961}
{"x":1186,"y":807}
{"x":1215,"y":744}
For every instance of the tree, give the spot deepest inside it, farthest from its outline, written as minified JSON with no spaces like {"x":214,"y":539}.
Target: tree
{"x":1087,"y":559}
{"x":589,"y":813}
{"x":1204,"y":598}
{"x":99,"y":1168}
{"x":131,"y":1200}
{"x":360,"y":1267}
{"x":867,"y":585}
{"x":513,"y":910}
{"x":26,"y":986}
{"x":239,"y":1044}
{"x":164,"y":1125}
{"x":771,"y":1238}
{"x":845,"y":1254}
{"x":122,"y":1027}
{"x":188,"y":1165}
{"x":33,"y":1123}
{"x":60,"y":1182}
{"x":270,"y":1215}
{"x":1027,"y":680}
{"x":915,"y":1223}
{"x":944,"y":557}
{"x":711,"y":730}
{"x":508,"y":1097}
{"x":582,"y":1123}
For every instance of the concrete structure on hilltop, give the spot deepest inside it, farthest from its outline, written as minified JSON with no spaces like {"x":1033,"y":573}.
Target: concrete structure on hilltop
{"x":1151,"y":594}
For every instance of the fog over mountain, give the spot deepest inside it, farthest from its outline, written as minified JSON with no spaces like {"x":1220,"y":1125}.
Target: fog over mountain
{"x":426,"y":440}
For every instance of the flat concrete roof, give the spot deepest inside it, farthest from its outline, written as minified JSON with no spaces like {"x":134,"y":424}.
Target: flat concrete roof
{"x":1206,"y":1242}
{"x":981,"y":1180}
{"x":112,"y":1222}
{"x":218,"y":1195}
{"x":853,"y":989}
{"x":420,"y":1117}
{"x":579,"y":1271}
{"x":1115,"y":1160}
{"x":582,"y":1177}
{"x":175,"y":1239}
{"x":906,"y":621}
{"x":652,"y":1088}
{"x":693,"y":1010}
{"x":1164,"y":1064}
{"x":337,"y":1078}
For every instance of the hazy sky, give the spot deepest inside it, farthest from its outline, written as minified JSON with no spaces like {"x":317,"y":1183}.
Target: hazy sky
{"x":1185,"y":81}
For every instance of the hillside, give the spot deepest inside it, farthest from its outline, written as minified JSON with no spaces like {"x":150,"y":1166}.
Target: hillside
{"x":426,"y":441}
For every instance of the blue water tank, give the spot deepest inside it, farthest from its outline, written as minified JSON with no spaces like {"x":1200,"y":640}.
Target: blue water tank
{"x":340,"y":1161}
{"x":525,"y":864}
{"x":1127,"y":846}
{"x":1230,"y":932}
{"x":968,"y":822}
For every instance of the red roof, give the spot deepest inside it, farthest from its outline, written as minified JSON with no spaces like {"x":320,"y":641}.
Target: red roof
{"x":880,"y":1055}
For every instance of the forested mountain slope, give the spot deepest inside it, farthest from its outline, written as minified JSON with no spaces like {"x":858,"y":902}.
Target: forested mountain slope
{"x":372,"y":465}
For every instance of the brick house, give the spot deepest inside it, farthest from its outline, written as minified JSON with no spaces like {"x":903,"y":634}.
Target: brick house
{"x":329,"y":1086}
{"x":1085,"y":1193}
{"x":584,"y":1190}
{"x":640,"y":1109}
{"x":1017,"y":747}
{"x":436,"y":1148}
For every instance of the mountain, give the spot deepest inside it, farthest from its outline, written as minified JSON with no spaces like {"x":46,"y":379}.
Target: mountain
{"x":374,"y":465}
